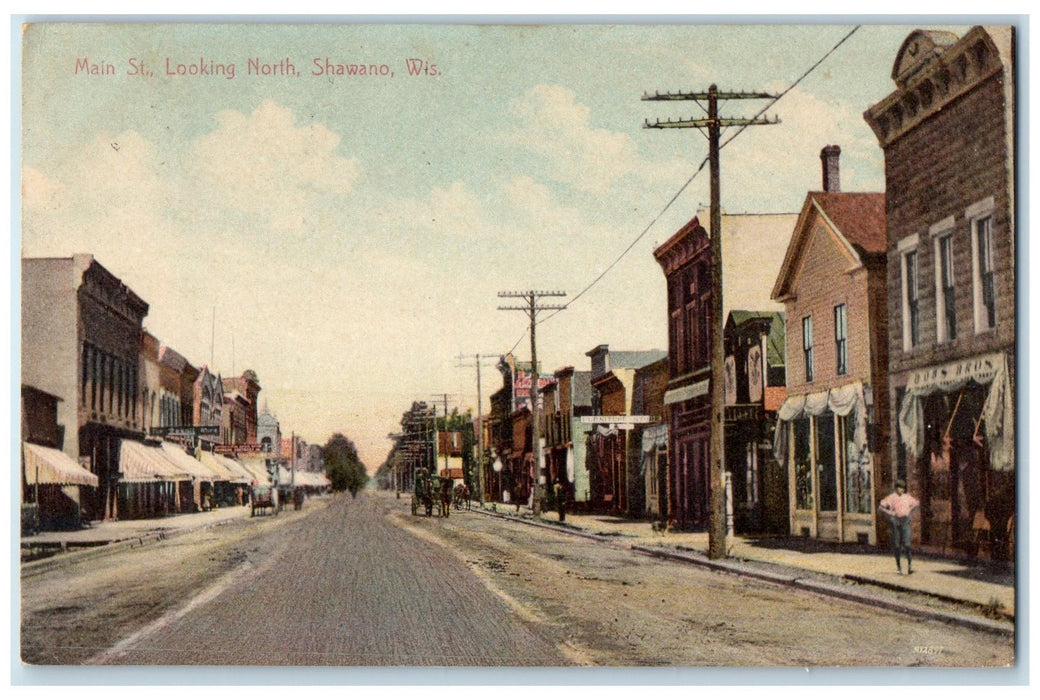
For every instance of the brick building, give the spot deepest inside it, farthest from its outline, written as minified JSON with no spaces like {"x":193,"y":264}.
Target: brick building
{"x":833,"y":284}
{"x":947,"y":131}
{"x":240,"y":408}
{"x":81,"y":341}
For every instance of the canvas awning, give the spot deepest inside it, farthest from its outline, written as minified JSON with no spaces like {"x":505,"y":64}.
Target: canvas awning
{"x":241,"y":474}
{"x":996,"y":412}
{"x":256,"y":467}
{"x":140,"y":463}
{"x":224,"y":471}
{"x":841,"y":401}
{"x":195,"y":468}
{"x":46,"y":465}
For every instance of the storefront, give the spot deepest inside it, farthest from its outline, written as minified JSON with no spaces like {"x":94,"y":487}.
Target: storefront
{"x":822,"y":438}
{"x":653,"y":468}
{"x":51,"y":483}
{"x":957,"y":449}
{"x":148,"y":482}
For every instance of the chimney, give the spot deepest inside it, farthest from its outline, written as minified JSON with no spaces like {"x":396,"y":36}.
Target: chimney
{"x":830,"y":155}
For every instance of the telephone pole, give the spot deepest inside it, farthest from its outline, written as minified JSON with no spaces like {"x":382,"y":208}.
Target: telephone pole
{"x":480,"y":427}
{"x":531,"y":309}
{"x":717,"y":524}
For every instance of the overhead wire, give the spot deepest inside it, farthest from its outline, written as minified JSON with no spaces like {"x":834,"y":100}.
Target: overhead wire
{"x":689,"y":180}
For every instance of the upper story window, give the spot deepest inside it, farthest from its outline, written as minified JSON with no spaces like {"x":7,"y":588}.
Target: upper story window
{"x":945,"y":290}
{"x":841,"y":339}
{"x":807,"y":347}
{"x":911,"y":302}
{"x":985,"y":298}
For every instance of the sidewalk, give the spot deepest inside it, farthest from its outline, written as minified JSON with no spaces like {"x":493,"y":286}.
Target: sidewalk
{"x":38,"y":551}
{"x":988,"y":587}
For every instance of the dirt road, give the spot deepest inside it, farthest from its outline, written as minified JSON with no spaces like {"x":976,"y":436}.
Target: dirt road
{"x":363,"y":582}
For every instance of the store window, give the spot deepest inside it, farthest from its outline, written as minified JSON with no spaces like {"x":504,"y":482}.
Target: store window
{"x":857,"y":469}
{"x":826,"y":462}
{"x":802,"y":464}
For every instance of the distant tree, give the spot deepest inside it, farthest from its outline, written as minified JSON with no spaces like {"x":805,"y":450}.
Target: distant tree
{"x":343,"y":466}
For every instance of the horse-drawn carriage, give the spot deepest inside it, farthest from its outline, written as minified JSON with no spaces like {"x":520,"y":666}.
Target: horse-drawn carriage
{"x":431,"y":491}
{"x":263,"y":498}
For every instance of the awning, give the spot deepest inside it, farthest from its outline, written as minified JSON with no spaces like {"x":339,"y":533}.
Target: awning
{"x":140,"y":463}
{"x":226,"y":473}
{"x":841,"y":401}
{"x":655,"y":436}
{"x":242,"y":475}
{"x":685,"y":393}
{"x":996,"y":412}
{"x":195,"y":468}
{"x":256,"y":467}
{"x":46,"y":465}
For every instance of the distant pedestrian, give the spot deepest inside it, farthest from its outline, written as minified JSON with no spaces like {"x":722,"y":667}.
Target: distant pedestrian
{"x":898,"y":506}
{"x":560,"y":496}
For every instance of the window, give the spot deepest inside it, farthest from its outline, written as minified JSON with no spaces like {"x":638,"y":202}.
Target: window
{"x":911,"y":302}
{"x":800,"y":428}
{"x":985,"y":295}
{"x":841,"y":339}
{"x":826,"y":462}
{"x":946,"y":322}
{"x":857,"y":468}
{"x":807,"y":347}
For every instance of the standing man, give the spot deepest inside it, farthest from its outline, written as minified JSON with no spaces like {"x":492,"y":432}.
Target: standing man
{"x":561,"y":499}
{"x":898,"y":506}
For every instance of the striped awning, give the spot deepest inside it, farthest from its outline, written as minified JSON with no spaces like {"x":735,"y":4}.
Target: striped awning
{"x":46,"y":465}
{"x":243,"y":475}
{"x":183,"y":460}
{"x":140,"y":463}
{"x":256,"y":467}
{"x":224,"y":468}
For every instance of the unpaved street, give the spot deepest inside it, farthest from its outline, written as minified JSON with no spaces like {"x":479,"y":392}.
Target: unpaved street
{"x":363,"y":582}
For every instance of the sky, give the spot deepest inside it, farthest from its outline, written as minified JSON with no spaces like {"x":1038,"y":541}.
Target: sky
{"x":346,"y":236}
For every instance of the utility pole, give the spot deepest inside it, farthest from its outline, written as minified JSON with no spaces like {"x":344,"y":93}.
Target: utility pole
{"x":480,"y":429}
{"x":531,"y":309}
{"x":717,"y":524}
{"x":436,"y":435}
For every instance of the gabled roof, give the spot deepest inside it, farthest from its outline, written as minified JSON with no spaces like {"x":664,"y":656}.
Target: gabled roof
{"x":857,"y":219}
{"x":859,"y":216}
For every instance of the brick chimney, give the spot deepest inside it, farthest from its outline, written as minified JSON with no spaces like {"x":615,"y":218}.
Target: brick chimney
{"x":830,"y":155}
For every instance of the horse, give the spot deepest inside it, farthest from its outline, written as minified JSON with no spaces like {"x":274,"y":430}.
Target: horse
{"x":462,"y":495}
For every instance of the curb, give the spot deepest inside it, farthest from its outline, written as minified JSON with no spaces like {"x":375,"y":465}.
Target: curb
{"x":844,"y":591}
{"x":67,"y":557}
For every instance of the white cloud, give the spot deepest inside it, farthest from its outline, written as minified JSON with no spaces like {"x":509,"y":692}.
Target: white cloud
{"x":264,"y":163}
{"x":554,"y":125}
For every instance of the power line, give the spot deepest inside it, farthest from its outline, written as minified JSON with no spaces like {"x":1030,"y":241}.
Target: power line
{"x":697,"y":172}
